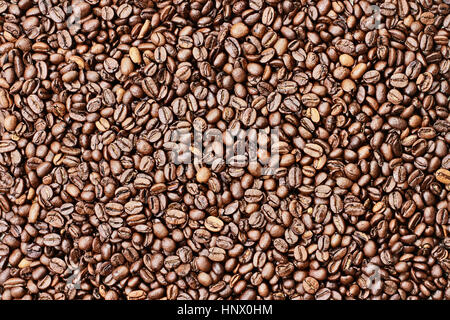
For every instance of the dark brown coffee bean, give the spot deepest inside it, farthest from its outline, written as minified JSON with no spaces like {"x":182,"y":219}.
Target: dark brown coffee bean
{"x":263,"y":150}
{"x":345,"y":46}
{"x":399,"y":80}
{"x":176,"y":217}
{"x":310,"y":285}
{"x":7,"y":146}
{"x":313,"y":150}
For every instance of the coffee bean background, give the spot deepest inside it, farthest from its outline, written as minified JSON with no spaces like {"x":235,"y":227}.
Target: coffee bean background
{"x":93,"y":206}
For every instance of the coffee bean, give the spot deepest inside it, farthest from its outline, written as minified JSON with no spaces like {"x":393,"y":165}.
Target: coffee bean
{"x":7,"y":146}
{"x":354,"y":209}
{"x":323,"y":191}
{"x":310,"y":285}
{"x":232,"y":47}
{"x":443,"y":176}
{"x":345,"y":46}
{"x":399,"y":80}
{"x":176,"y":217}
{"x":35,"y":104}
{"x":372,"y":76}
{"x":287,"y":87}
{"x":310,"y":100}
{"x":56,"y":14}
{"x":213,"y":224}
{"x":216,"y":254}
{"x":253,"y":195}
{"x":203,"y":175}
{"x":239,"y":30}
{"x":300,"y":253}
{"x":254,"y":149}
{"x":313,"y":150}
{"x":57,"y":265}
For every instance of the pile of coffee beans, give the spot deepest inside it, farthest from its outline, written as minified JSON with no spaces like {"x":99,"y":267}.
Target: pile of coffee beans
{"x":93,"y":94}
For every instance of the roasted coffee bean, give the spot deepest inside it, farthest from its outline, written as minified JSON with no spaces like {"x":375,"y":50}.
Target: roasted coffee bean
{"x":443,"y":176}
{"x":7,"y":146}
{"x":213,"y":224}
{"x":310,"y":285}
{"x":313,"y":150}
{"x":207,"y":150}
{"x":176,"y":217}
